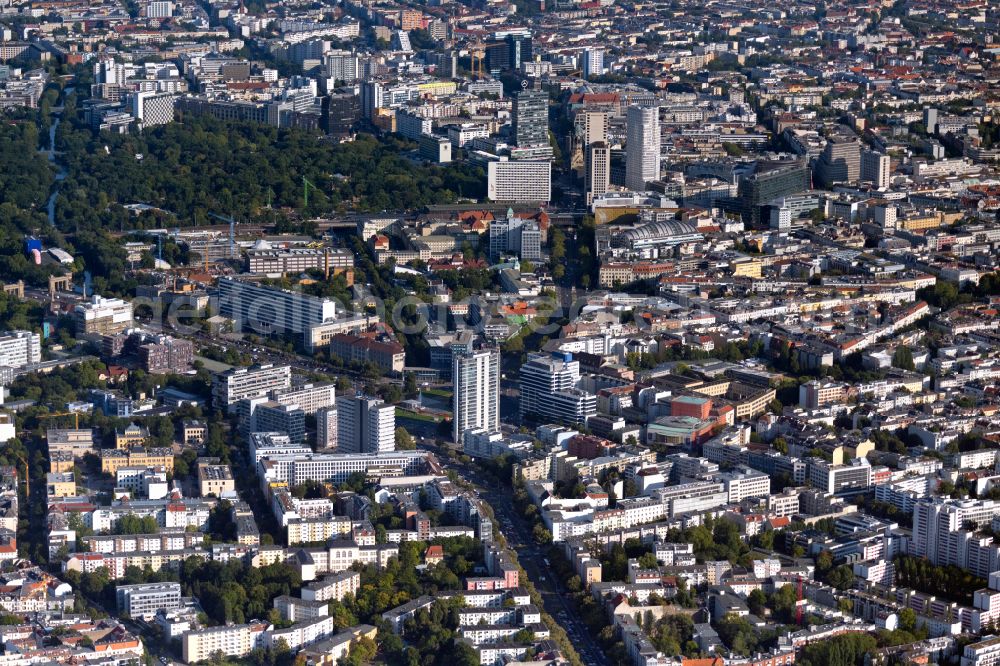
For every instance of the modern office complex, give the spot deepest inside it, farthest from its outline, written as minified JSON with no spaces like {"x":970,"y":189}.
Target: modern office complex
{"x":102,"y":316}
{"x":263,"y":259}
{"x":268,"y":311}
{"x":263,"y":444}
{"x":549,"y":390}
{"x":271,"y":416}
{"x":768,"y":183}
{"x":310,"y":398}
{"x":341,"y":112}
{"x":840,"y":162}
{"x":296,"y":469}
{"x":144,"y":600}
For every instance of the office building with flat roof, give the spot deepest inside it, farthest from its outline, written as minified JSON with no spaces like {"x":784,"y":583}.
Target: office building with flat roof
{"x":268,"y":311}
{"x":20,"y":348}
{"x":365,"y":425}
{"x":144,"y":600}
{"x":237,"y":384}
{"x":519,"y":181}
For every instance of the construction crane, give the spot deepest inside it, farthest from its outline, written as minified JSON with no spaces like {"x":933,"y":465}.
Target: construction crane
{"x":306,"y":184}
{"x":232,"y":232}
{"x":75,"y":415}
{"x":477,"y":52}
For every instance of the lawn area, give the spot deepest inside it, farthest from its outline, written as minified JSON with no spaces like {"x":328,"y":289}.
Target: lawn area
{"x":416,"y":416}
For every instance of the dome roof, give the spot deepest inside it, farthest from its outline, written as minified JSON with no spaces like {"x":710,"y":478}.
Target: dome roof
{"x":658,"y":230}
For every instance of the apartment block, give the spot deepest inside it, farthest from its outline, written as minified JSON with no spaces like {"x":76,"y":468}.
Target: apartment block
{"x":334,"y":587}
{"x":19,"y":348}
{"x":234,"y":640}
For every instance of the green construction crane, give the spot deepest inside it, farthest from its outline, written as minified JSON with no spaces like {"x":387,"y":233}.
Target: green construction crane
{"x":306,"y":184}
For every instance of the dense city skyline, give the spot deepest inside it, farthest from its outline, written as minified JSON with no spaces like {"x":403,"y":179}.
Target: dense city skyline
{"x":499,"y":333}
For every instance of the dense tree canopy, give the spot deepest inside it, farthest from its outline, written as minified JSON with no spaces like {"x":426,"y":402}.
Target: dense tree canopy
{"x":26,"y":178}
{"x":25,"y":175}
{"x":201,"y":165}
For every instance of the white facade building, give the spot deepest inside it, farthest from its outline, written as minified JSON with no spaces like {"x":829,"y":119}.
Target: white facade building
{"x":519,"y":181}
{"x":365,"y":425}
{"x":642,"y":147}
{"x":476,"y":399}
{"x":19,"y":348}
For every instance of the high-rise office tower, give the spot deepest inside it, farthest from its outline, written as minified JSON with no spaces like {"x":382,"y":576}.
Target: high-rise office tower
{"x":372,"y":98}
{"x":593,"y":127}
{"x":840,"y":162}
{"x":476,"y":399}
{"x":326,"y":429}
{"x":597,"y":177}
{"x":875,"y":168}
{"x":530,"y":118}
{"x":549,"y":391}
{"x":642,"y":147}
{"x":496,"y":57}
{"x":342,"y":65}
{"x":518,"y":50}
{"x":365,"y":425}
{"x":768,"y":183}
{"x":593,"y":62}
{"x":152,"y":108}
{"x":341,"y":112}
{"x":931,"y":120}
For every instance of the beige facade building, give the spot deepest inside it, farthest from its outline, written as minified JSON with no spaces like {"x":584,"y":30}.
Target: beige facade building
{"x":215,"y":480}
